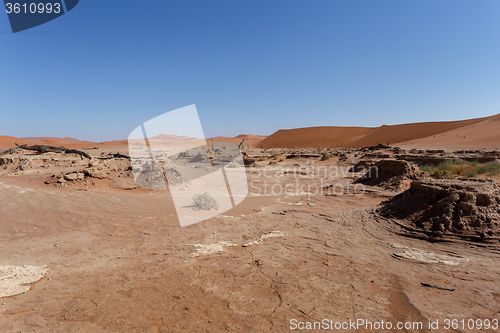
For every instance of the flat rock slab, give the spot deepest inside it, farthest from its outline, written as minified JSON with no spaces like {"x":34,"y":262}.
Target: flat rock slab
{"x":430,"y":258}
{"x":15,"y":280}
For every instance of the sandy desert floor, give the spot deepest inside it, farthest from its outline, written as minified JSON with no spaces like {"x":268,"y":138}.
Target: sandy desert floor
{"x":118,"y":261}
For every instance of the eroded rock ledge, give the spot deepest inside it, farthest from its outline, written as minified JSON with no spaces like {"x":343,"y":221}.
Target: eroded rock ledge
{"x":464,"y":207}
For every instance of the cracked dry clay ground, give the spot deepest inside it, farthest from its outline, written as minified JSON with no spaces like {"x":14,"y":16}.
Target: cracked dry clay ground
{"x":118,"y":261}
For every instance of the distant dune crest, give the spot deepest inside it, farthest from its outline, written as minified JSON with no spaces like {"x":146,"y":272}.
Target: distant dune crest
{"x":472,"y":133}
{"x":479,"y":133}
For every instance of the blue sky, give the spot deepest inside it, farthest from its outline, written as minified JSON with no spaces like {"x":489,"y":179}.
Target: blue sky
{"x":250,"y":66}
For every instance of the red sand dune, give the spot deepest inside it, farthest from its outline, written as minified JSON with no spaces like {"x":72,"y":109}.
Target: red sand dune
{"x":10,"y":141}
{"x":113,"y":143}
{"x":482,"y":133}
{"x":250,"y":140}
{"x":474,"y":134}
{"x":313,"y":137}
{"x":485,"y":134}
{"x":65,"y":139}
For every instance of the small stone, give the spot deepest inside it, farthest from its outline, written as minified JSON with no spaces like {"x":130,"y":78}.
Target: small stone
{"x":71,"y":176}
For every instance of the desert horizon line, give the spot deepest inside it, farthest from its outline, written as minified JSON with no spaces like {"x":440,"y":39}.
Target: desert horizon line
{"x":243,"y":135}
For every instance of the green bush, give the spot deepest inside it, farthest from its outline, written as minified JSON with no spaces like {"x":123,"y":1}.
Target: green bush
{"x":427,"y":168}
{"x":275,"y":155}
{"x":445,"y":166}
{"x":450,"y":169}
{"x":471,"y":173}
{"x":491,"y":168}
{"x":442,"y":174}
{"x":326,"y":157}
{"x":204,"y":202}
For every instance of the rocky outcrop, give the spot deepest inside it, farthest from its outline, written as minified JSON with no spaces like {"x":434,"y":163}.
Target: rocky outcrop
{"x":423,"y":159}
{"x":247,"y":159}
{"x":362,"y":166}
{"x":185,"y":154}
{"x":201,"y":157}
{"x":95,"y":172}
{"x":390,"y":174}
{"x":469,"y":207}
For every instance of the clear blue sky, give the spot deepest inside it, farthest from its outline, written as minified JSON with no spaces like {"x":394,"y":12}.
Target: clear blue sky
{"x":250,"y":66}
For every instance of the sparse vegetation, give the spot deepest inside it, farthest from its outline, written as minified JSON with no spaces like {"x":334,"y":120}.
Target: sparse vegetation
{"x":491,"y":169}
{"x":427,"y":168}
{"x":172,"y":157}
{"x":233,"y":165}
{"x":275,"y":155}
{"x":326,"y":156}
{"x":451,"y":169}
{"x":204,"y":202}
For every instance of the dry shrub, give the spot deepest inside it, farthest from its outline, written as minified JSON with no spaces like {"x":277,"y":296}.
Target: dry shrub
{"x":204,"y":202}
